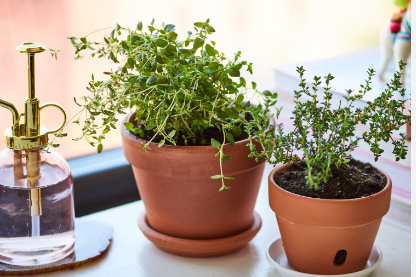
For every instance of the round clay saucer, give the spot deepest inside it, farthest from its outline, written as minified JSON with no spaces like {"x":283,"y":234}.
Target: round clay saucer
{"x":199,"y":248}
{"x":276,"y":255}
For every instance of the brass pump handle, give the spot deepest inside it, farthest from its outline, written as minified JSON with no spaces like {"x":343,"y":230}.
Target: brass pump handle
{"x":63,"y":112}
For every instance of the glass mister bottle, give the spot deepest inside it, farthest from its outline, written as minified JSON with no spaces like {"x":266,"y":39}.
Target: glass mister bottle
{"x":36,"y":186}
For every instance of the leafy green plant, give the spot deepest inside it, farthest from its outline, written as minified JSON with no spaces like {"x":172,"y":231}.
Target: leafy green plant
{"x":327,"y":136}
{"x":178,"y":88}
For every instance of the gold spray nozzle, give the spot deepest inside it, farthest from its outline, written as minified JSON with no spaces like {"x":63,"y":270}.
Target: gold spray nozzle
{"x":30,"y":135}
{"x":31,"y":114}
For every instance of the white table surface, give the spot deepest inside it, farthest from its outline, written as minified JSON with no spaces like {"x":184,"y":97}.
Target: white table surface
{"x":131,"y":254}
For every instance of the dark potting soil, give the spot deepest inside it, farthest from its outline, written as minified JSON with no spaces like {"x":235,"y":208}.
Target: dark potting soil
{"x":355,"y":180}
{"x":211,"y":132}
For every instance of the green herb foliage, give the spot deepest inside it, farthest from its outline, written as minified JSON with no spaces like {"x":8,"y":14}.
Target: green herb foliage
{"x":327,"y":136}
{"x":178,"y":89}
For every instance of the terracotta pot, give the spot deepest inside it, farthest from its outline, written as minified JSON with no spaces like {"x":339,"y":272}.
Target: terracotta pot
{"x":314,"y":230}
{"x":181,"y":199}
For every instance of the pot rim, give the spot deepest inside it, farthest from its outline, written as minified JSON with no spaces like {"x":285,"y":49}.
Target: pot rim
{"x":327,"y":201}
{"x":132,"y":137}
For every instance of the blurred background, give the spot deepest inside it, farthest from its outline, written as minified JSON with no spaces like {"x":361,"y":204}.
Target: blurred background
{"x":269,"y":33}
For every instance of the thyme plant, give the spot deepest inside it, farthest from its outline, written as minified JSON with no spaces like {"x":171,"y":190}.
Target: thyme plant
{"x":327,"y":135}
{"x":177,"y":88}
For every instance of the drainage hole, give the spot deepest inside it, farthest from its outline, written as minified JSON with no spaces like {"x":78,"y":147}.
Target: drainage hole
{"x":340,"y":257}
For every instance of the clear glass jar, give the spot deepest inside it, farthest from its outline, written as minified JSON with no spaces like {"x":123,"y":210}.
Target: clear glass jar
{"x":36,"y":207}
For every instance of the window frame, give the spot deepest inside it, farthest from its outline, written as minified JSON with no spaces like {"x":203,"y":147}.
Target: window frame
{"x":102,"y":181}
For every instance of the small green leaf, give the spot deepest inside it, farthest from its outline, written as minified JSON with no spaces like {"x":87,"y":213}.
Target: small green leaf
{"x":161,"y":143}
{"x":267,"y":93}
{"x":199,"y":24}
{"x":186,"y":52}
{"x":84,"y":40}
{"x":152,"y":80}
{"x":198,"y":42}
{"x":170,"y":27}
{"x":176,"y":125}
{"x":161,"y":42}
{"x":224,"y":187}
{"x":170,"y":48}
{"x":236,"y":131}
{"x":229,"y":178}
{"x":210,"y":29}
{"x":240,"y":99}
{"x":182,"y":67}
{"x":99,"y":148}
{"x":210,"y":50}
{"x":125,"y":45}
{"x":223,"y":115}
{"x":113,"y":57}
{"x":138,"y":131}
{"x":254,"y":85}
{"x":235,"y":72}
{"x":106,"y":130}
{"x":160,"y":60}
{"x":215,"y":143}
{"x":225,"y":158}
{"x":213,"y":66}
{"x":172,"y":133}
{"x":139,"y":26}
{"x":129,"y":125}
{"x":134,"y":39}
{"x":131,"y":62}
{"x":230,"y":138}
{"x":228,"y":111}
{"x":61,"y":135}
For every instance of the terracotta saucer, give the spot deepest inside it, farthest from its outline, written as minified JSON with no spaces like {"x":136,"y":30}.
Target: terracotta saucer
{"x":199,"y":248}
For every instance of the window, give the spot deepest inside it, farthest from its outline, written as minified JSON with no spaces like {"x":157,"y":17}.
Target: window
{"x":267,"y":32}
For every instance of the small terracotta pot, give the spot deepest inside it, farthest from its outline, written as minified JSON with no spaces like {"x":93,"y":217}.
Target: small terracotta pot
{"x":314,"y":230}
{"x":181,"y":199}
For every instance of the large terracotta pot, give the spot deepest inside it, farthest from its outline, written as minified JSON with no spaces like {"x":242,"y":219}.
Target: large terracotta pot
{"x":181,"y":199}
{"x":314,"y":230}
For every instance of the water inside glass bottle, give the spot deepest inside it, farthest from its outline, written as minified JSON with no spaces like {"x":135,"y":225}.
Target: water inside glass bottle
{"x":25,"y":237}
